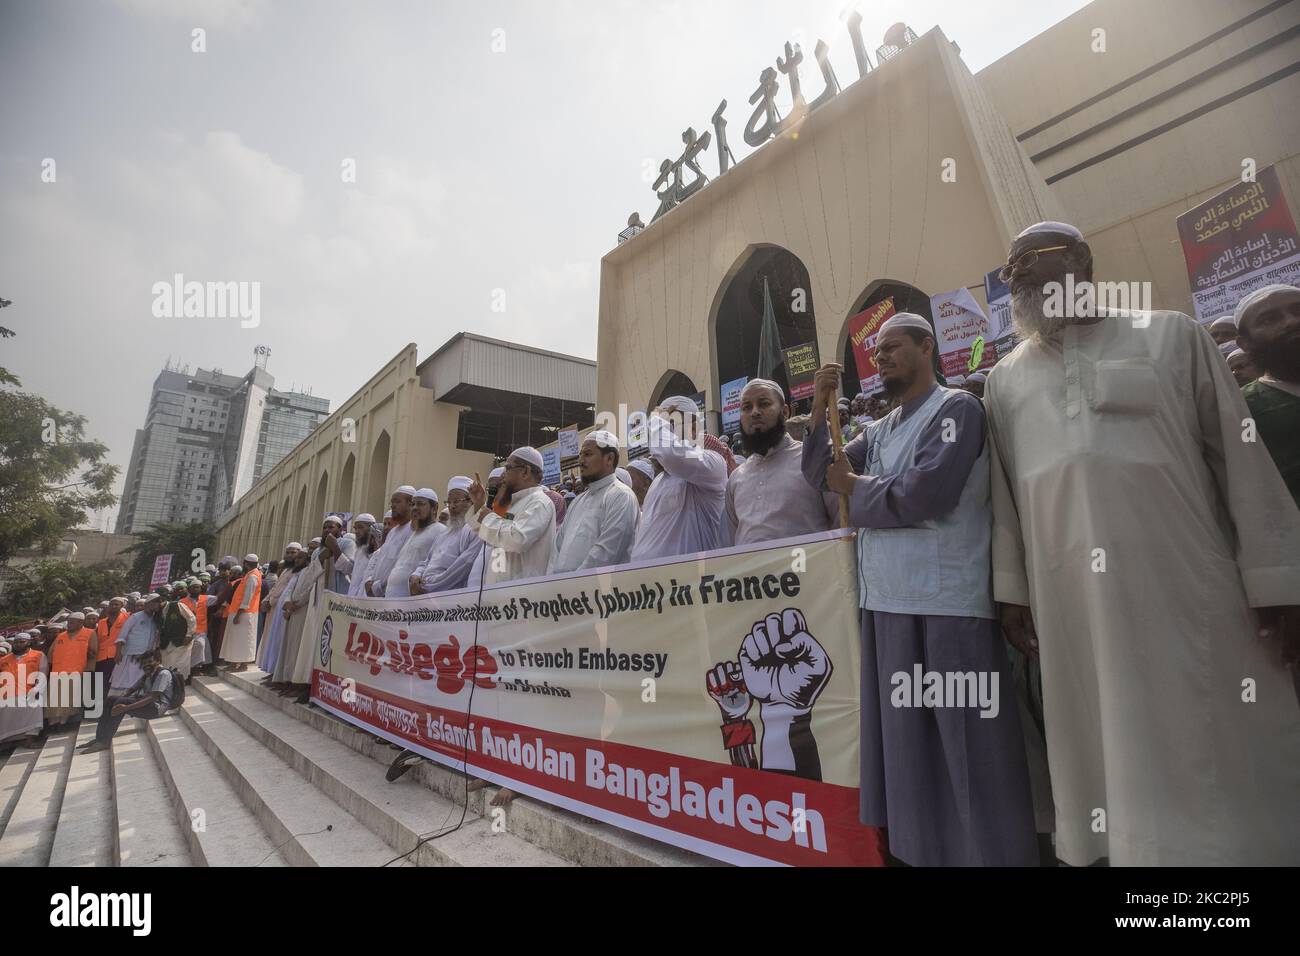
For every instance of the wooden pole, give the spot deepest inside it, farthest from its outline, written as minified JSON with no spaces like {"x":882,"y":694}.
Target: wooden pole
{"x":837,"y":443}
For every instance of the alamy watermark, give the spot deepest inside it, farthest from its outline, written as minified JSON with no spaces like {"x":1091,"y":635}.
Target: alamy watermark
{"x":180,"y":299}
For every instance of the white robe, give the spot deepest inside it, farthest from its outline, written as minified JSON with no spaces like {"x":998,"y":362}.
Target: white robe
{"x":598,"y":528}
{"x":1141,"y":529}
{"x":381,"y":563}
{"x":414,"y":555}
{"x":357,"y":567}
{"x":518,"y":546}
{"x":682,"y":512}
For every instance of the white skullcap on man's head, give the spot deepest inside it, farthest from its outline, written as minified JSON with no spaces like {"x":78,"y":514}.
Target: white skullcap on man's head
{"x":251,"y":557}
{"x":976,"y":377}
{"x":602,"y":438}
{"x":643,"y":466}
{"x":1261,"y":300}
{"x":314,"y":543}
{"x":529,"y":454}
{"x":764,"y":383}
{"x":405,"y":490}
{"x":1051,"y":227}
{"x":365,"y":516}
{"x":905,"y":320}
{"x":681,"y":403}
{"x":623,"y":476}
{"x":337,"y":519}
{"x":1226,"y":321}
{"x":293,"y":546}
{"x":76,"y":616}
{"x":459,"y":483}
{"x":496,"y":472}
{"x":1235,"y":352}
{"x":428,"y":494}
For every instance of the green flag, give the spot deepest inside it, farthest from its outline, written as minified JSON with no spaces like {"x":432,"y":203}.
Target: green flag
{"x":769,"y":341}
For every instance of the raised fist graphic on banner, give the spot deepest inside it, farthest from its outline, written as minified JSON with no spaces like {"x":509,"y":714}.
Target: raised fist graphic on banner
{"x":781,"y":666}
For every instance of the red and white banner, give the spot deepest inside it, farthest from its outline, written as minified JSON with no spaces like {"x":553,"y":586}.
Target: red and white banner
{"x":863,"y":329}
{"x":960,"y":323}
{"x":711,"y":703}
{"x":162,"y":566}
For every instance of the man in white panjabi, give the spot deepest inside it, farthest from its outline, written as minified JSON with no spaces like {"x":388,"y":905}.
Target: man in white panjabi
{"x":519,"y":544}
{"x":302,"y":594}
{"x":452,"y":556}
{"x":365,"y":534}
{"x":340,"y":546}
{"x":1159,"y":553}
{"x":426,"y":530}
{"x":395,"y":539}
{"x":601,"y":522}
{"x":239,"y":646}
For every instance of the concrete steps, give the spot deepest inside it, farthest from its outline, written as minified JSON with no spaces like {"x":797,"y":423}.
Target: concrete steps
{"x":560,"y":833}
{"x":84,"y":835}
{"x":399,"y":815}
{"x":219,"y":829}
{"x":146,"y":831}
{"x":28,"y":836}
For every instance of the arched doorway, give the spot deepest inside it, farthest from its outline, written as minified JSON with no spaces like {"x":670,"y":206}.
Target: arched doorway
{"x":317,"y":515}
{"x":301,"y":520}
{"x":377,"y":480}
{"x":765,"y":275}
{"x":345,"y":485}
{"x":672,"y":382}
{"x":906,"y":298}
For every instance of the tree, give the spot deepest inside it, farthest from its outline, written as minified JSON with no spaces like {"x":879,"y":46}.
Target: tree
{"x":42,"y":450}
{"x":43,"y":587}
{"x":180,"y":540}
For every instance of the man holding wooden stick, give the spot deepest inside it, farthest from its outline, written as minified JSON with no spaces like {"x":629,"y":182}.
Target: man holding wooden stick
{"x":943,"y":764}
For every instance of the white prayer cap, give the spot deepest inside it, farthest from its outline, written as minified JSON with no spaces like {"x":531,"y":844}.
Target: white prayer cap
{"x":764,"y":383}
{"x":681,"y":404}
{"x":1235,"y":352}
{"x":1261,"y":300}
{"x":119,"y":600}
{"x":643,"y":466}
{"x":496,"y":472}
{"x":623,"y":476}
{"x":365,"y":516}
{"x":1228,"y":321}
{"x":314,"y":543}
{"x":135,"y":594}
{"x":976,"y":377}
{"x":250,"y":557}
{"x":295,"y":545}
{"x":151,"y":596}
{"x":76,"y":616}
{"x":6,"y":647}
{"x":529,"y":454}
{"x":1057,"y":228}
{"x":337,"y":519}
{"x":404,"y":490}
{"x":428,"y":494}
{"x":459,"y":483}
{"x":88,"y":610}
{"x":602,"y":438}
{"x":905,"y":320}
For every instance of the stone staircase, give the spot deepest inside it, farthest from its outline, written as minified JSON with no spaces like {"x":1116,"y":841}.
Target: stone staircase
{"x":240,"y":776}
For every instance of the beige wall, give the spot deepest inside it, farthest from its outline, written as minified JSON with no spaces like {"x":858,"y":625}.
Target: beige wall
{"x":401,"y":436}
{"x":856,"y":195}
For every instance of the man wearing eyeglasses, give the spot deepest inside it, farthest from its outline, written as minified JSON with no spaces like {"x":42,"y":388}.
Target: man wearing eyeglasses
{"x":1146,"y":550}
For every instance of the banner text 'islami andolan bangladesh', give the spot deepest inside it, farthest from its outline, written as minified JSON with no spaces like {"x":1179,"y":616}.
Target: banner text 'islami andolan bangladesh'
{"x":591,"y":691}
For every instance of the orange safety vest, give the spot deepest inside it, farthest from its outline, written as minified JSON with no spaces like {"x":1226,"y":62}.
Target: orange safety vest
{"x":68,"y":653}
{"x":31,"y":661}
{"x":237,"y":599}
{"x":108,"y":636}
{"x":200,"y":609}
{"x":8,"y":665}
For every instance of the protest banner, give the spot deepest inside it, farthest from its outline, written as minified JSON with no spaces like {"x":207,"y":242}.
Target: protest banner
{"x":551,"y":466}
{"x":709,"y":702}
{"x":1238,"y":241}
{"x":862,"y":335}
{"x":567,"y":440}
{"x":1001,"y":338}
{"x":162,"y":566}
{"x":959,"y":323}
{"x":731,"y":403}
{"x":801,"y":365}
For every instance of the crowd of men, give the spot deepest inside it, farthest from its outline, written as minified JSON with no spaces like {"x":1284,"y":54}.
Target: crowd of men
{"x":1109,"y":521}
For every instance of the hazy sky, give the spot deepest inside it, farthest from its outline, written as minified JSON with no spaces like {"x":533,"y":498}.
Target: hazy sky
{"x":476,"y":170}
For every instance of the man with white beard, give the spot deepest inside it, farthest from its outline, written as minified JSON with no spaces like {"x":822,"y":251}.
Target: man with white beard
{"x":1145,"y":548}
